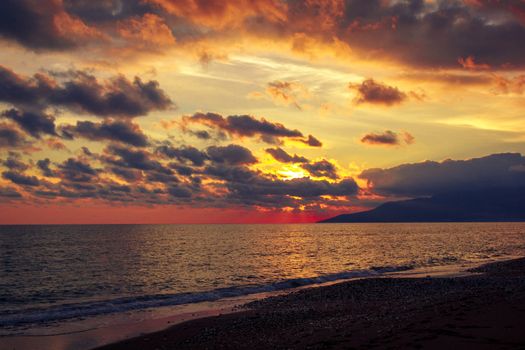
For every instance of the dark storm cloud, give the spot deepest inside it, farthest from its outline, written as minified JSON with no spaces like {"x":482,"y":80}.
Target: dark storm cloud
{"x":254,"y":188}
{"x":20,"y":179}
{"x":370,"y":91}
{"x":13,"y":162}
{"x":103,"y":11}
{"x":10,"y":137}
{"x":230,"y":174}
{"x":282,"y":156}
{"x":136,"y":159}
{"x":131,"y":175}
{"x":34,"y":123}
{"x":515,"y":8}
{"x":231,"y":154}
{"x":32,"y":24}
{"x":321,"y":168}
{"x":248,"y":126}
{"x":17,"y":89}
{"x":84,"y":93}
{"x":429,"y":178}
{"x":182,"y":169}
{"x":185,"y":153}
{"x":304,"y":187}
{"x":179,"y":191}
{"x":452,"y":31}
{"x":43,"y":165}
{"x":77,"y":170}
{"x":118,"y":97}
{"x":223,"y":179}
{"x":112,"y":130}
{"x":417,"y":32}
{"x":161,"y":177}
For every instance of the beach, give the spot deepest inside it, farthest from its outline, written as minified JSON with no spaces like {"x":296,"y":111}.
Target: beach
{"x":484,"y":310}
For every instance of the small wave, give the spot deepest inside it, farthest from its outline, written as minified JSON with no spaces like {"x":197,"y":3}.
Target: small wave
{"x":86,"y":309}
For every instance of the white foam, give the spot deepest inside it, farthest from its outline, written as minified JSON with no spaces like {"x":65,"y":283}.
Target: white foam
{"x":86,"y":309}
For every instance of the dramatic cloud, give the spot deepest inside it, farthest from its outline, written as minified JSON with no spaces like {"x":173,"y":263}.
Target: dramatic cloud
{"x":248,"y":126}
{"x":119,"y":131}
{"x":261,"y":189}
{"x":130,"y":175}
{"x":388,"y":138}
{"x":68,"y":87}
{"x":136,"y":159}
{"x":187,"y":153}
{"x":231,"y":154}
{"x":20,"y":178}
{"x":416,"y":33}
{"x":429,"y":178}
{"x":218,"y":14}
{"x":321,"y":168}
{"x":248,"y":187}
{"x":116,"y":97}
{"x":282,"y":156}
{"x":84,"y":93}
{"x":43,"y":165}
{"x":10,"y":137}
{"x":42,"y":24}
{"x":106,"y":10}
{"x":35,"y":124}
{"x":77,"y":170}
{"x":370,"y":91}
{"x":13,"y":162}
{"x":434,"y":34}
{"x":470,"y":63}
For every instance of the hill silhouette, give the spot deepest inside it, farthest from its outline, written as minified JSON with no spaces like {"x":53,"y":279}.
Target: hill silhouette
{"x":497,"y":204}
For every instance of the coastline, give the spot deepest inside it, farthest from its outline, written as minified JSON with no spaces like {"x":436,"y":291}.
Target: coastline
{"x":481,"y":310}
{"x":163,"y":326}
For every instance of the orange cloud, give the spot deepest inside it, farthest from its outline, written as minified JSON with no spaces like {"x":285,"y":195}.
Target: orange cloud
{"x":470,"y":63}
{"x":219,"y":14}
{"x":150,"y":31}
{"x":505,"y":85}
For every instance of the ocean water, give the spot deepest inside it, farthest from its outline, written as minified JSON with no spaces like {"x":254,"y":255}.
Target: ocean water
{"x":63,"y":273}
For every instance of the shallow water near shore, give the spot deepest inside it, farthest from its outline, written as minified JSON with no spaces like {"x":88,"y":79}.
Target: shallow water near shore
{"x":62,"y":278}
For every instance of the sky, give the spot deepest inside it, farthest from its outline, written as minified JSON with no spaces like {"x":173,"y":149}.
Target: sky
{"x":261,"y":111}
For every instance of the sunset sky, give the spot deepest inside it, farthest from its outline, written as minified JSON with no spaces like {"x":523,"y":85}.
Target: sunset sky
{"x":193,"y":111}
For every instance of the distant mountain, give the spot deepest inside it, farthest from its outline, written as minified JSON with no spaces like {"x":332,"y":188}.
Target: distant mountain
{"x":482,"y":205}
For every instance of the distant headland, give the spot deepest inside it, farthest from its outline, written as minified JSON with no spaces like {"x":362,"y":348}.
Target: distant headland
{"x":496,"y":204}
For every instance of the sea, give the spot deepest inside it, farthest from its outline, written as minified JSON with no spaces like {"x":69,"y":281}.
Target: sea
{"x":65,"y":273}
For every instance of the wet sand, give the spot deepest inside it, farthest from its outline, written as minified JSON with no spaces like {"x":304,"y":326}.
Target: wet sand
{"x":482,"y":311}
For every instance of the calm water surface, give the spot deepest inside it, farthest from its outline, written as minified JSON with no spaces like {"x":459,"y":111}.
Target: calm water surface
{"x":50,"y":273}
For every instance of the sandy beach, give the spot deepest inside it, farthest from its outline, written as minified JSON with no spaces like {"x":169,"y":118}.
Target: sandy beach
{"x":482,"y":311}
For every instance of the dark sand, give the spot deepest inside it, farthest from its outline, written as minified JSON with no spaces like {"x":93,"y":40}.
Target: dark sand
{"x":482,"y":311}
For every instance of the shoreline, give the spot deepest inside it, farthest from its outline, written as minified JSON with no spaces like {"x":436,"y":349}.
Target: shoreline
{"x":121,"y":327}
{"x":483,"y":308}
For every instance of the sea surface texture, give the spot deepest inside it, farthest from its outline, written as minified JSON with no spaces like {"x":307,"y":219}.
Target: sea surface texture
{"x":61,"y":273}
